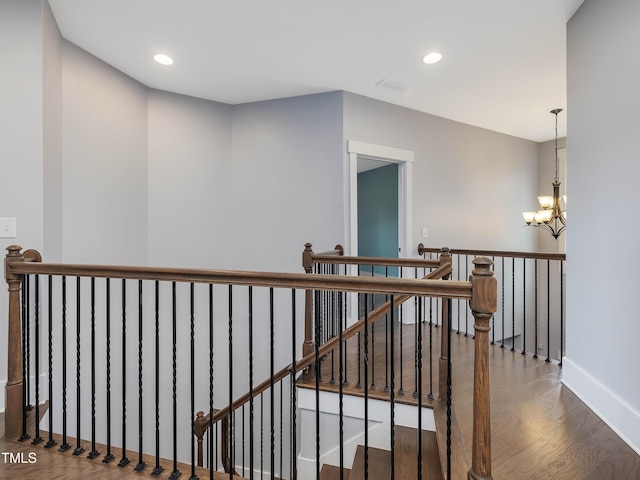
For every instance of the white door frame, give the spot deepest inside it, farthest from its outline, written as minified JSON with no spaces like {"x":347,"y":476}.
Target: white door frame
{"x":404,"y":159}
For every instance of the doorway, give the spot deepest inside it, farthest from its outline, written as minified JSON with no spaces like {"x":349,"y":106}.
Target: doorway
{"x":361,"y":151}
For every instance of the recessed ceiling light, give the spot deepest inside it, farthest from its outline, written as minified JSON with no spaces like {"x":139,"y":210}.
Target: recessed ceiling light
{"x":433,"y":57}
{"x":163,"y":59}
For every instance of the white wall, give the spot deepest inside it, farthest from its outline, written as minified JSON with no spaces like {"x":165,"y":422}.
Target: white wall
{"x":469,"y":184}
{"x":602,"y":263}
{"x":21,"y":135}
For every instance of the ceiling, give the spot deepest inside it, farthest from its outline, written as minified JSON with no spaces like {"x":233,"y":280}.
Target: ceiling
{"x":503,"y":66}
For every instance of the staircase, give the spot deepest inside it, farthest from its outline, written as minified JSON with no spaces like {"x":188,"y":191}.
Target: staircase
{"x":405,"y":459}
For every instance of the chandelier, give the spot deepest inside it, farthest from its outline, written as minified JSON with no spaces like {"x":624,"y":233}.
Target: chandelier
{"x":550,"y":217}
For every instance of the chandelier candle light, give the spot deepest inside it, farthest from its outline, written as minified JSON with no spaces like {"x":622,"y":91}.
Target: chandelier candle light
{"x":551,"y":217}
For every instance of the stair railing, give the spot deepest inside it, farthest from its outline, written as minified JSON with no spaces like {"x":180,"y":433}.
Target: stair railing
{"x":142,"y":297}
{"x":530,"y":318}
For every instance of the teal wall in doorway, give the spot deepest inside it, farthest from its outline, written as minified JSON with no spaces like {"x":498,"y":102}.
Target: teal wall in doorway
{"x":378,"y":215}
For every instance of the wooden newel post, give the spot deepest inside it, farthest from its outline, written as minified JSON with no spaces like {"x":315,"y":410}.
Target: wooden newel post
{"x":14,"y":407}
{"x":483,"y":303}
{"x":307,"y":263}
{"x":445,"y":258}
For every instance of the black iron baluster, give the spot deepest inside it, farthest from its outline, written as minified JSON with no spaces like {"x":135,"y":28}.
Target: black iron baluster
{"x":392,"y":392}
{"x":157,"y":470}
{"x":373,"y":340}
{"x":401,"y":390}
{"x":493,"y":317}
{"x":141,"y":464}
{"x":292,"y":387}
{"x":341,"y":368}
{"x":124,"y":461}
{"x":65,"y":445}
{"x":271,"y":385}
{"x":51,"y":441}
{"x":231,"y":458}
{"x":419,"y":390}
{"x":513,"y":304}
{"x":281,"y":401}
{"x":25,"y":377}
{"x":78,"y":450}
{"x":251,"y":396}
{"x":193,"y":378}
{"x":108,"y":456}
{"x":524,"y":306}
{"x":430,"y":396}
{"x":458,"y":277}
{"x":317,"y":372}
{"x":94,"y":453}
{"x":535,"y":308}
{"x":27,"y":344}
{"x":548,"y":359}
{"x":416,"y":324}
{"x":449,"y":391}
{"x":261,"y":435}
{"x":174,"y":314}
{"x":343,"y":327}
{"x":366,"y":391}
{"x":561,"y":310}
{"x":360,"y":298}
{"x":209,"y":439}
{"x":36,"y":307}
{"x":502,"y":297}
{"x":386,"y":340}
{"x":466,"y":308}
{"x":243,"y":443}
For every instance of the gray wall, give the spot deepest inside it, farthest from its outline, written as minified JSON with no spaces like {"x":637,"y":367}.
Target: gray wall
{"x":469,"y":184}
{"x":189,"y":168}
{"x":602,"y":265}
{"x":21,"y":135}
{"x":287,"y":180}
{"x":104,"y":199}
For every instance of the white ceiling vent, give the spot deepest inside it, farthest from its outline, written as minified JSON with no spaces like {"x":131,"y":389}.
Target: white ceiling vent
{"x":391,"y":85}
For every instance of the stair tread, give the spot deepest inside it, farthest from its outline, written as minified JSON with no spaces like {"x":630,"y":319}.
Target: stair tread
{"x":379,"y":464}
{"x":331,"y":472}
{"x":406,"y":454}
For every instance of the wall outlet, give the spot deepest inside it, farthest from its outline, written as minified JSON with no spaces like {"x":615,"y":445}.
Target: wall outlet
{"x":425,"y":232}
{"x":7,"y":227}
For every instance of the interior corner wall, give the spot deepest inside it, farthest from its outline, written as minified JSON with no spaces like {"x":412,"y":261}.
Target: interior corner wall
{"x":287,"y":180}
{"x":602,"y":265}
{"x":21,"y":136}
{"x":104,"y":199}
{"x":190,"y":215}
{"x":52,"y":135}
{"x":469,"y":184}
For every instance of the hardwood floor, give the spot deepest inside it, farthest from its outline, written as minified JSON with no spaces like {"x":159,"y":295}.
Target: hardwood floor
{"x":540,"y":429}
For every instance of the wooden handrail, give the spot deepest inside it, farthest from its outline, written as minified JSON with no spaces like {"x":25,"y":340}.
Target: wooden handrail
{"x":339,"y":283}
{"x":495,"y":253}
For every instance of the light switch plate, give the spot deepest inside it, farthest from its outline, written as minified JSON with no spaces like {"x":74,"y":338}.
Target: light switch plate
{"x":7,"y":227}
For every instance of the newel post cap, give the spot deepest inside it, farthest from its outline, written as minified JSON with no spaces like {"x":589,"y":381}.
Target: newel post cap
{"x":307,"y":257}
{"x":484,"y":286}
{"x":13,"y":255}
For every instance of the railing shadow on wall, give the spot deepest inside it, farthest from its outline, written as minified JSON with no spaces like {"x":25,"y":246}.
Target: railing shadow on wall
{"x":530,"y":317}
{"x":124,"y":354}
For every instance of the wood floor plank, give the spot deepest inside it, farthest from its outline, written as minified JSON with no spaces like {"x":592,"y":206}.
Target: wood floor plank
{"x":379,"y":464}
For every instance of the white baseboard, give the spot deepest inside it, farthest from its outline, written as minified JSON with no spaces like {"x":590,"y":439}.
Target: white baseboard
{"x":621,"y":417}
{"x":43,"y":392}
